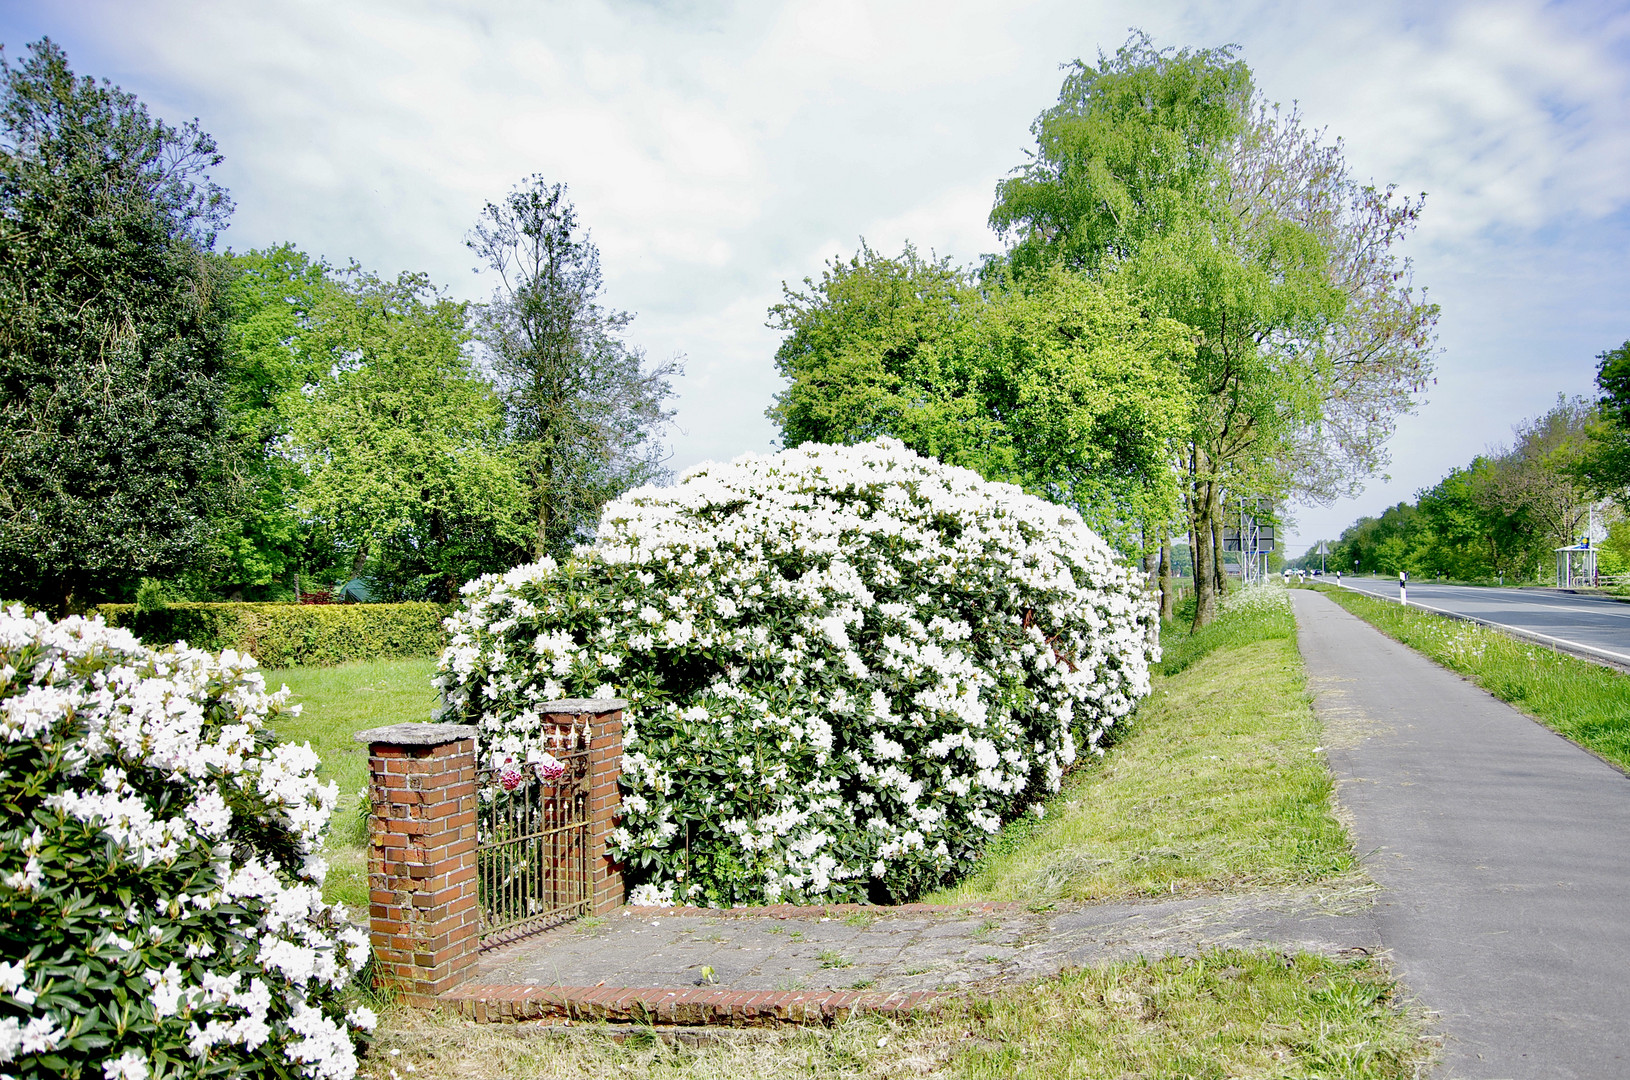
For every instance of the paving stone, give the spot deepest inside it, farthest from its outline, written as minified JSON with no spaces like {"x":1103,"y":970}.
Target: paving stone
{"x":923,"y":949}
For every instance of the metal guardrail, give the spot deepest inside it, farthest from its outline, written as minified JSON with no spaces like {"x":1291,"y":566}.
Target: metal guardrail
{"x":533,"y":867}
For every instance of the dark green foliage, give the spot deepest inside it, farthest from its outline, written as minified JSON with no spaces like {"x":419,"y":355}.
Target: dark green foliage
{"x":90,"y":888}
{"x":1607,"y":465}
{"x":1498,"y":518}
{"x":111,"y":341}
{"x":291,"y":635}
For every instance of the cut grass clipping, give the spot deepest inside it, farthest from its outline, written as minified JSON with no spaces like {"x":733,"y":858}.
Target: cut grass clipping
{"x":1228,"y":1013}
{"x":1217,"y":784}
{"x":335,"y":703}
{"x":1582,"y":701}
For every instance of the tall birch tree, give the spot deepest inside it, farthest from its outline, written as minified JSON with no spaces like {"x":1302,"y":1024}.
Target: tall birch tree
{"x":1164,"y":167}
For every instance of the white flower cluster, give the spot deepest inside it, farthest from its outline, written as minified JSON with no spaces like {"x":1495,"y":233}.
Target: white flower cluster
{"x":166,"y":844}
{"x":846,"y":667}
{"x":1264,"y":596}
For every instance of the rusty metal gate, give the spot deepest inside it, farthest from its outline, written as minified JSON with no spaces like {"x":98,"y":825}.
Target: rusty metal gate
{"x":532,"y":842}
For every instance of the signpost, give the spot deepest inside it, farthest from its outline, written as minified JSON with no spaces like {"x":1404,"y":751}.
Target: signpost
{"x":1254,"y":537}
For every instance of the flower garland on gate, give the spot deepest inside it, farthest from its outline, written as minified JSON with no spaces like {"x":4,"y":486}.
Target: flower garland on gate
{"x":846,"y":668}
{"x":161,"y":904}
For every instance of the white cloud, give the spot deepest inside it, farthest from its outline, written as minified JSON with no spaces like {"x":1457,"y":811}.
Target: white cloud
{"x":719,"y":148}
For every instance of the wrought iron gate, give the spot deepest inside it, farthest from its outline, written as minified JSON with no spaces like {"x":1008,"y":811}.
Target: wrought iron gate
{"x":532,"y":842}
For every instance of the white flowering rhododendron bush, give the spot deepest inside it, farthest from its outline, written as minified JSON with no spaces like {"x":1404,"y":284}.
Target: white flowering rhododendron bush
{"x":846,"y":667}
{"x":160,"y":885}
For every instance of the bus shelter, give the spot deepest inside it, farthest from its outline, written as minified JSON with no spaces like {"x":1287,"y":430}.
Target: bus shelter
{"x":1576,"y":566}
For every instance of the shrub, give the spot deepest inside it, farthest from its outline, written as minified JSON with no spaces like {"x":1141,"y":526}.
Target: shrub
{"x":288,"y":635}
{"x":846,"y":667}
{"x":160,"y":887}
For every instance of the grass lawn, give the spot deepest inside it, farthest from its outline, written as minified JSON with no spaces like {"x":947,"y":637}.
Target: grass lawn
{"x":1225,"y":1014}
{"x":335,"y":702}
{"x":1582,"y":701}
{"x":1216,"y":784}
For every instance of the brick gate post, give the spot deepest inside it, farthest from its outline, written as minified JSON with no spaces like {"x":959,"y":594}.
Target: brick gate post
{"x":422,"y":911}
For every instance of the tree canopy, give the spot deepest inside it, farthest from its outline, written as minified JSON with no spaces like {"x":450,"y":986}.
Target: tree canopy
{"x":1606,"y":464}
{"x":1052,"y":381}
{"x":1226,"y":215}
{"x":1499,"y":517}
{"x":400,"y":443}
{"x":112,"y":349}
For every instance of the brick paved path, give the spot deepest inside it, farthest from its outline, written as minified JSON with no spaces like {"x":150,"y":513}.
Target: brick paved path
{"x":811,"y":964}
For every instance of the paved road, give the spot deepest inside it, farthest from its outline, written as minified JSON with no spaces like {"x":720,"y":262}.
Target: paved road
{"x":1501,"y":848}
{"x":1585,"y":622}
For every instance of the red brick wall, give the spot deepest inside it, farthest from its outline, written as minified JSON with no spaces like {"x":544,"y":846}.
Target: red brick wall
{"x":421,"y":865}
{"x":422,"y":906}
{"x":605,"y":768}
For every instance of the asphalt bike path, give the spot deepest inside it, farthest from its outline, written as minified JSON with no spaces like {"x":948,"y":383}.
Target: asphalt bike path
{"x":1595,"y":625}
{"x":1503,"y":852}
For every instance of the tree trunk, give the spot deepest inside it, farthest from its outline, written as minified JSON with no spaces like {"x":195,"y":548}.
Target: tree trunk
{"x":1201,"y":510}
{"x":1168,"y":590}
{"x":1219,"y":559}
{"x":545,"y":481}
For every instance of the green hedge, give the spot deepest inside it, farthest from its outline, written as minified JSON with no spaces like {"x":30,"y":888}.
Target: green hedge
{"x":291,"y":635}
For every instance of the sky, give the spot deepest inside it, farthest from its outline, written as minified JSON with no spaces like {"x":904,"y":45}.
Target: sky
{"x":718,"y":150}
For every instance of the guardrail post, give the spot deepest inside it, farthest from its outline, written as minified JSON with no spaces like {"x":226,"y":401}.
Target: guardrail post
{"x":605,"y":719}
{"x":422,"y":910}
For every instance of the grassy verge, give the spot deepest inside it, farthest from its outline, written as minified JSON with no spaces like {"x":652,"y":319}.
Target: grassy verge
{"x":1582,"y":701}
{"x":1222,"y":1014}
{"x":335,"y":702}
{"x":1215,"y":785}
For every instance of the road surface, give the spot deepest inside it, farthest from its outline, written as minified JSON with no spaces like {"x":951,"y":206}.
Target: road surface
{"x":1500,"y":848}
{"x":1581,"y":623}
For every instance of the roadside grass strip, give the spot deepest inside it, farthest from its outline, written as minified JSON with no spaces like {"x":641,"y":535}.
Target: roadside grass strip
{"x":1217,"y":784}
{"x":1225,"y":1013}
{"x":335,"y":702}
{"x":1586,"y":703}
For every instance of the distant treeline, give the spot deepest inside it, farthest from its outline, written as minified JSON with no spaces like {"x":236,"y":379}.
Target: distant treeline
{"x":1504,"y":514}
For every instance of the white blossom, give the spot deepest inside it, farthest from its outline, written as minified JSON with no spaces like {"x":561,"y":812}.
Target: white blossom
{"x":870,"y":653}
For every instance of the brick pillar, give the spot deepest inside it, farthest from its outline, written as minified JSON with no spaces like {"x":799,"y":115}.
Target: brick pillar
{"x":605,"y":719}
{"x":422,"y":909}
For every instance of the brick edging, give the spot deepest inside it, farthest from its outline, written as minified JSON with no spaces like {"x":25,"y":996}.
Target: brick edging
{"x":725,"y":1008}
{"x":818,"y":911}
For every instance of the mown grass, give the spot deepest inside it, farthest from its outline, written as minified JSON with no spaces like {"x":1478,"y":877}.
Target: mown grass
{"x":1216,"y":784}
{"x":1582,"y":701}
{"x":336,"y":702}
{"x":1224,"y":1014}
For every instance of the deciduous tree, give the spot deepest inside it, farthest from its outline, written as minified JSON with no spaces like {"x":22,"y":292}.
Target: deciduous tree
{"x":582,"y":407}
{"x":401,"y":442}
{"x":1052,"y":381}
{"x":1162,"y":166}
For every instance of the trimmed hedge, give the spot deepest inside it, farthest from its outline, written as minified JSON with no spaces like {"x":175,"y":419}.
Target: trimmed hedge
{"x":291,"y":635}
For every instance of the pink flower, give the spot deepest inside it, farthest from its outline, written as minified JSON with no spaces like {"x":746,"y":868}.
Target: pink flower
{"x":550,"y":769}
{"x":510,"y":778}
